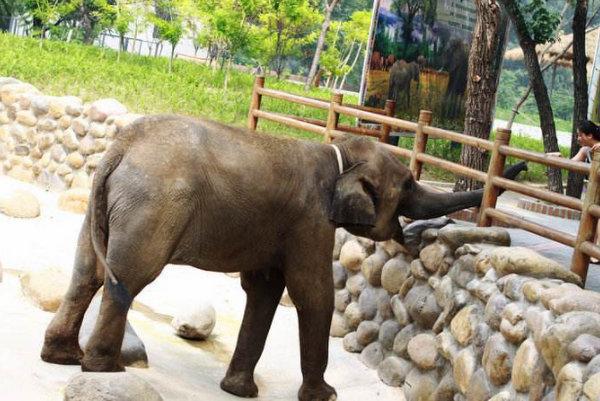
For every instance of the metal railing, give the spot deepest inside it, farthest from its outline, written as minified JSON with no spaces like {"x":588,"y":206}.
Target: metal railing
{"x":583,"y":243}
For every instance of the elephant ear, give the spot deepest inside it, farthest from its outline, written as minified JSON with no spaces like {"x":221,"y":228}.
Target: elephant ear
{"x":354,"y":199}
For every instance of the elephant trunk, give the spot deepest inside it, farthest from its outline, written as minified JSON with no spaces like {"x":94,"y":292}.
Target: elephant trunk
{"x":427,"y":204}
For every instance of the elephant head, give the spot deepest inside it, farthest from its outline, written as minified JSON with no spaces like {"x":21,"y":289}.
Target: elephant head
{"x":376,"y":188}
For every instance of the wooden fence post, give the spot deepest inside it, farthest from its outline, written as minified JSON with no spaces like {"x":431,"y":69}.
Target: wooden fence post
{"x":496,"y":168}
{"x":333,"y":117}
{"x":420,"y":143}
{"x":390,"y":109}
{"x":259,"y":82}
{"x":587,"y":224}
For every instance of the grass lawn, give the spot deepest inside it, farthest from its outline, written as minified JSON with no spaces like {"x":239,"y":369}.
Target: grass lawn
{"x":144,"y":86}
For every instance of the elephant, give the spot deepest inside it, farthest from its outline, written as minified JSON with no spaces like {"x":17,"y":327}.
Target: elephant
{"x":177,"y":190}
{"x":401,"y":76}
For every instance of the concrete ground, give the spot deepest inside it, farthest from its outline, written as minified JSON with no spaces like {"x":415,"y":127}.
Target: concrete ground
{"x":179,"y":369}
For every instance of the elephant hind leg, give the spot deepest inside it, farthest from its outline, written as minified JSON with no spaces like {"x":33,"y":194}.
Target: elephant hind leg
{"x":263,"y":292}
{"x":61,"y":343}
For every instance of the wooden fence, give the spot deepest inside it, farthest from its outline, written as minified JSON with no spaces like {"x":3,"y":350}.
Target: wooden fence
{"x":583,"y":243}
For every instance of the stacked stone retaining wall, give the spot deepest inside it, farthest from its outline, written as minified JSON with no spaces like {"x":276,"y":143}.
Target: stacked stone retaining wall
{"x":55,"y":142}
{"x":459,"y":315}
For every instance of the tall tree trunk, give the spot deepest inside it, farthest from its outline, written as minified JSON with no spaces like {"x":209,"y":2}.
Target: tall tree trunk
{"x":320,"y":43}
{"x":351,"y":67}
{"x":580,"y":89}
{"x":484,"y":67}
{"x":87,"y":25}
{"x":540,"y":91}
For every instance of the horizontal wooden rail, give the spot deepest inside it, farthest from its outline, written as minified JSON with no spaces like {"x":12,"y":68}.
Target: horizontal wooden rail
{"x":365,"y":115}
{"x":543,"y":194}
{"x":552,"y":161}
{"x":457,"y":137}
{"x":398,"y":151}
{"x":289,"y":121}
{"x":594,"y":210}
{"x":532,"y":227}
{"x":341,"y":127}
{"x":452,"y":167}
{"x":318,"y":104}
{"x":590,"y":249}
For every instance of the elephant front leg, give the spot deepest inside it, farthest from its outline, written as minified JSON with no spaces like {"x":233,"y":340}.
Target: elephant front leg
{"x":311,"y":288}
{"x":263,"y":292}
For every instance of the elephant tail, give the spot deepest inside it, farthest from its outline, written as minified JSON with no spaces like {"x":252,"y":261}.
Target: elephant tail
{"x":98,"y":210}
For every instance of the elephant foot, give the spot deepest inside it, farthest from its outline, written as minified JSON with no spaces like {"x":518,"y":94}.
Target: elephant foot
{"x":65,"y":352}
{"x":240,"y":384}
{"x":101,"y":364}
{"x":320,"y":392}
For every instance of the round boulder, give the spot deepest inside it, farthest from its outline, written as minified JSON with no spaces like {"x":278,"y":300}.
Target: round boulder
{"x":20,"y":204}
{"x":122,"y":386}
{"x":422,"y":349}
{"x":195,"y":324}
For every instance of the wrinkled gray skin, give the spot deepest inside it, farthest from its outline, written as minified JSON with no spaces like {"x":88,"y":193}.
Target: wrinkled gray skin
{"x":182,"y":191}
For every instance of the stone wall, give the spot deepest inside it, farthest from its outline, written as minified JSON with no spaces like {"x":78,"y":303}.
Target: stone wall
{"x":465,"y":317}
{"x":56,"y":142}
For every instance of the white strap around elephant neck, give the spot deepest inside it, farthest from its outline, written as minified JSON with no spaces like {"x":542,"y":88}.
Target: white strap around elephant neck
{"x":338,"y":155}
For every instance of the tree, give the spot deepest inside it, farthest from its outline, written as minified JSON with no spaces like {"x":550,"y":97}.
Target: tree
{"x":170,"y":30}
{"x":482,"y":84}
{"x":580,"y":91}
{"x":357,"y":31}
{"x":282,"y":28}
{"x":329,"y":6}
{"x":536,"y":24}
{"x":8,"y":9}
{"x":124,"y":18}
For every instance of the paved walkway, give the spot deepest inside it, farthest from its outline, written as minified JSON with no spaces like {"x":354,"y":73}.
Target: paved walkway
{"x":531,"y":131}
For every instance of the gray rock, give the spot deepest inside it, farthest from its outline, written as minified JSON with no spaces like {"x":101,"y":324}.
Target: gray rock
{"x":435,"y":257}
{"x":565,"y":329}
{"x":370,"y":299}
{"x":40,"y":105}
{"x":133,"y":351}
{"x":519,"y":260}
{"x":399,"y":310}
{"x":593,"y":366}
{"x":457,"y":235}
{"x":342,"y":300}
{"x":514,"y":333}
{"x":393,"y":370}
{"x":339,"y":327}
{"x":402,"y":339}
{"x":341,"y":236}
{"x":429,"y":236}
{"x":351,"y":344}
{"x":418,"y":270}
{"x":352,"y":255}
{"x":498,"y":357}
{"x":528,"y":362}
{"x":339,"y":275}
{"x":352,"y":315}
{"x":569,"y":382}
{"x":481,"y":335}
{"x":464,"y":323}
{"x":463,"y":368}
{"x":422,"y":307}
{"x":483,"y":290}
{"x":372,"y":267}
{"x":412,"y":232}
{"x":479,"y":388}
{"x":420,"y":385}
{"x":446,"y":390}
{"x":463,"y":270}
{"x":447,"y":345}
{"x":493,"y":310}
{"x":372,"y":355}
{"x":121,"y":386}
{"x":584,"y":348}
{"x":387,"y":333}
{"x":195,"y":323}
{"x":422,"y":350}
{"x":356,"y":284}
{"x":512,"y":286}
{"x":367,"y":332}
{"x":394,"y":273}
{"x":100,"y":110}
